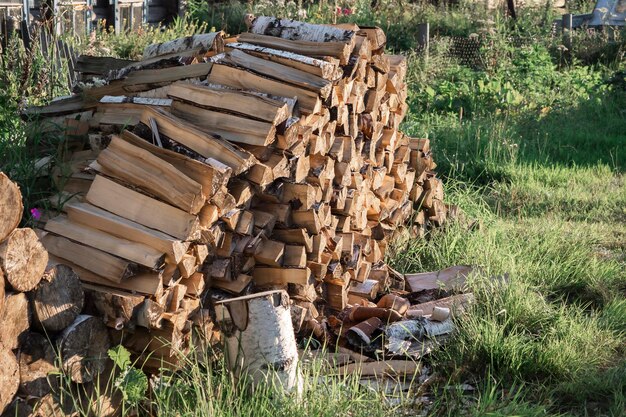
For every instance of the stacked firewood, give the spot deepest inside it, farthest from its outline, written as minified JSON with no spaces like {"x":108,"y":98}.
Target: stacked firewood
{"x":219,"y":167}
{"x":41,"y":325}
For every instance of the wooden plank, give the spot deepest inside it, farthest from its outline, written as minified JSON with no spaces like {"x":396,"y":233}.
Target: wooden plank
{"x":110,"y":267}
{"x":235,"y":101}
{"x":308,"y":101}
{"x":227,"y":126}
{"x":141,"y":168}
{"x":206,"y":145}
{"x":382,"y":368}
{"x":449,"y":278}
{"x":142,"y":209}
{"x":97,"y":218}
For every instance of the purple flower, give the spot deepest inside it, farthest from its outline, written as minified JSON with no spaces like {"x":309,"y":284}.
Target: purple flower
{"x":36,"y":213}
{"x":347,"y":12}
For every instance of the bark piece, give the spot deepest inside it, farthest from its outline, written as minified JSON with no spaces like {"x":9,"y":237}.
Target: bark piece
{"x":142,"y":209}
{"x":23,"y":259}
{"x":58,"y":299}
{"x":205,"y":41}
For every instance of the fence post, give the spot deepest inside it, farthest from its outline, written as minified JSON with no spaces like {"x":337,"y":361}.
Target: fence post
{"x":423,"y":36}
{"x":568,"y":23}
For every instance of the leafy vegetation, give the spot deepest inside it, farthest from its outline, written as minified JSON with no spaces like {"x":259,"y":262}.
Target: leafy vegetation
{"x":531,"y":140}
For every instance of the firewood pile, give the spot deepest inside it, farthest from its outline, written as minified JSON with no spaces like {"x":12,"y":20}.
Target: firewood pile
{"x":218,"y":167}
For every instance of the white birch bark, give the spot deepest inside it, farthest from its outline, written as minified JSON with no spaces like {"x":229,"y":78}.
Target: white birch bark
{"x":259,"y":339}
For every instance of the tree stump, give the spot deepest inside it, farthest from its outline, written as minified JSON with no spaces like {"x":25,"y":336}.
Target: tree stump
{"x":9,"y":377}
{"x":259,"y":339}
{"x":14,"y":320}
{"x":37,"y":363}
{"x":58,"y":299}
{"x":10,"y":206}
{"x":83,"y":348}
{"x":23,"y":259}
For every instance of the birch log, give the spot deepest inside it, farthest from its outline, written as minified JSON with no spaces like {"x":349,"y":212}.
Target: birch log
{"x":10,"y":206}
{"x":259,"y":339}
{"x":301,"y":31}
{"x":205,"y":41}
{"x":83,"y":348}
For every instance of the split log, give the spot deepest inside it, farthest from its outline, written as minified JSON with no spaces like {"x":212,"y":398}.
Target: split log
{"x":23,"y":259}
{"x":211,"y":174}
{"x":141,"y":168}
{"x":14,"y":320}
{"x":10,"y":206}
{"x":222,"y":99}
{"x":37,"y":366}
{"x":2,"y":291}
{"x":118,"y":309}
{"x":279,"y":72}
{"x":58,"y":299}
{"x":259,"y":339}
{"x":136,"y":252}
{"x":308,"y":101}
{"x":9,"y":377}
{"x":449,"y":278}
{"x":320,"y":50}
{"x":142,"y":209}
{"x":83,"y":348}
{"x":198,"y":141}
{"x":97,"y":218}
{"x":325,"y":69}
{"x":230,"y":127}
{"x":99,"y":262}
